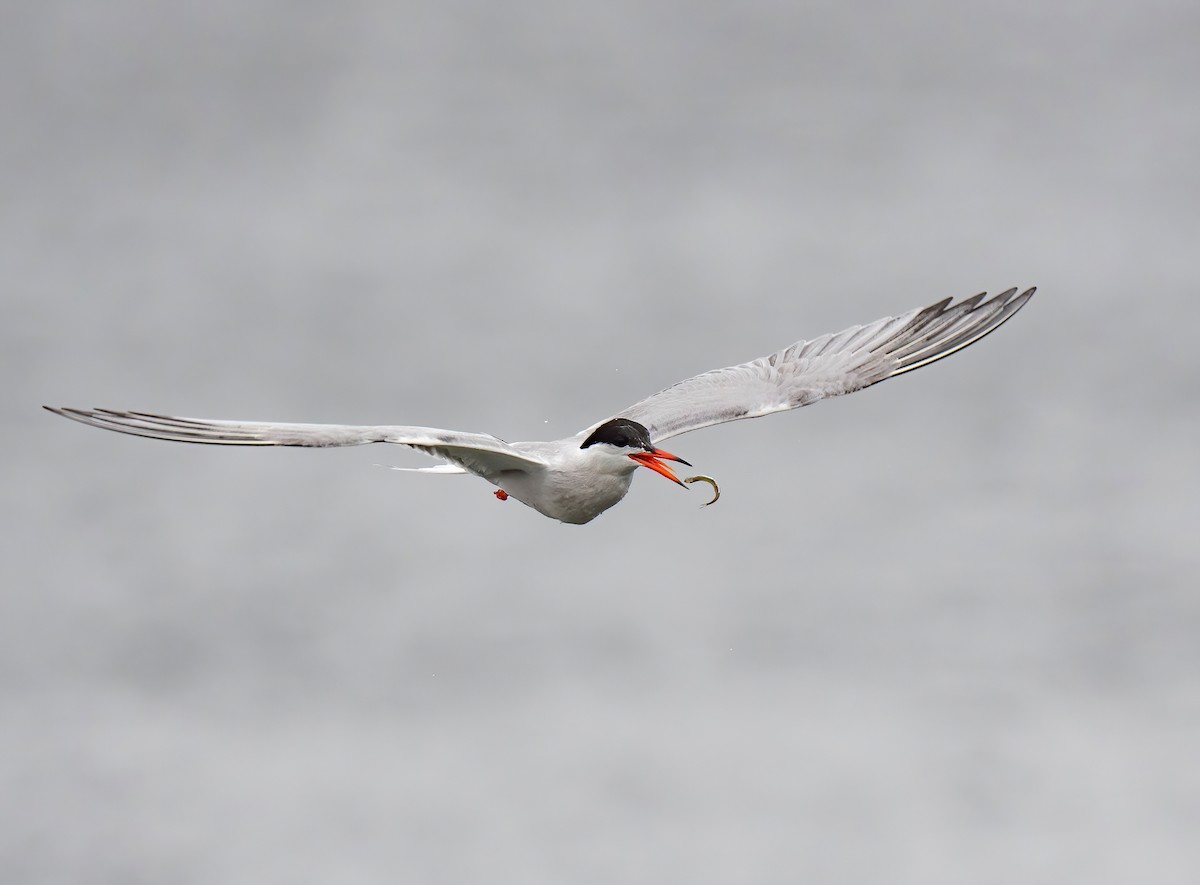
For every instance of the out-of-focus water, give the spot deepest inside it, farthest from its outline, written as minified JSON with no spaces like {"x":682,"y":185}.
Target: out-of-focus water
{"x":943,"y":631}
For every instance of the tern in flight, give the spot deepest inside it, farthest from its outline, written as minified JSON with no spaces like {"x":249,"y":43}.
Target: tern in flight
{"x":576,"y":479}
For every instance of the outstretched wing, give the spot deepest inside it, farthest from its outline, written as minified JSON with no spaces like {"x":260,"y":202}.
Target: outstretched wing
{"x":831,"y":365}
{"x":478,"y":453}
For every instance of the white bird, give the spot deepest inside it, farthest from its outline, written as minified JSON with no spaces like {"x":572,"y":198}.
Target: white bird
{"x":576,"y":479}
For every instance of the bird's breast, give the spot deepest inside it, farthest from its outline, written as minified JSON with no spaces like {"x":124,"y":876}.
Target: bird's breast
{"x":572,"y":496}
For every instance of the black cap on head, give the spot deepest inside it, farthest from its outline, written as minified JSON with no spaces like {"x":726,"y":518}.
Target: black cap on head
{"x":620,"y":432}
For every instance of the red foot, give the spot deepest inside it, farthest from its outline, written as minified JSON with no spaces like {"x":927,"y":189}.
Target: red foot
{"x":501,"y":494}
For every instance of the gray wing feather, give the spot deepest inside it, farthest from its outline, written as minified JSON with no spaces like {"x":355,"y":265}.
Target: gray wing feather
{"x":830,"y":365}
{"x":480,"y":453}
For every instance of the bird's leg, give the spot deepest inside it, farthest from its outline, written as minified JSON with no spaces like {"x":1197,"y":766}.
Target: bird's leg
{"x":501,"y":494}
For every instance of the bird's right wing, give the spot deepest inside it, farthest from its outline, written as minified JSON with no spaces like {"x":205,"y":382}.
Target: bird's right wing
{"x":830,"y":365}
{"x":478,"y":453}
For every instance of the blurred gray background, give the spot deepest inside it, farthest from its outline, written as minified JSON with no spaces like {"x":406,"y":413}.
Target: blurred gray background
{"x":943,"y":631}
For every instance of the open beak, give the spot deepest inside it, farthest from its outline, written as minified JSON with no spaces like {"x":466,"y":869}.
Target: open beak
{"x":654,"y":458}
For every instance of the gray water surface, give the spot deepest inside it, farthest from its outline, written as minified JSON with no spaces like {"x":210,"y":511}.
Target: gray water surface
{"x":943,"y":631}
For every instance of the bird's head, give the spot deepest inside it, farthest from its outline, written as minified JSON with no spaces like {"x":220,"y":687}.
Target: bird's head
{"x":625,"y":438}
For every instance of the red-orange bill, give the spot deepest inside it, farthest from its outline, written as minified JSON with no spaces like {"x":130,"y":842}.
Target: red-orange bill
{"x":652,"y":460}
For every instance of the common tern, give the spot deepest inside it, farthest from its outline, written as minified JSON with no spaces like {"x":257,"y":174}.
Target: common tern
{"x":576,"y":479}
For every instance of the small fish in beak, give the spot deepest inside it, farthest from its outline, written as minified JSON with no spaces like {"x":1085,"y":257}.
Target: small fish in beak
{"x":712,"y":482}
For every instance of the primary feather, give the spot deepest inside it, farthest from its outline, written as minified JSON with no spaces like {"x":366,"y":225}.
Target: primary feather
{"x":479,"y":453}
{"x":831,"y":365}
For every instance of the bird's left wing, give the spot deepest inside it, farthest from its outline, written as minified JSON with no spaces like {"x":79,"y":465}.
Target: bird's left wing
{"x":830,"y":365}
{"x":478,"y":453}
